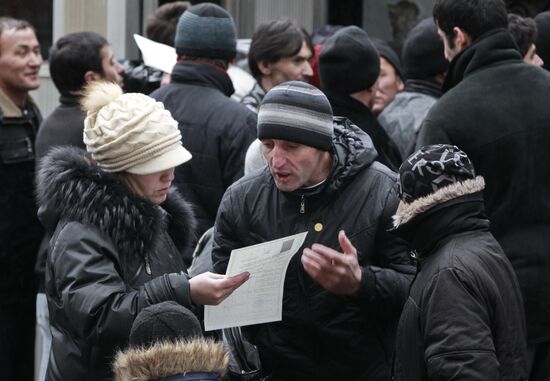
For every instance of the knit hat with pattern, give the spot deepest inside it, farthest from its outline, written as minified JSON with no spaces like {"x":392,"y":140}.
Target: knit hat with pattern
{"x":206,"y":30}
{"x":431,"y":168}
{"x":298,"y":112}
{"x":130,"y":132}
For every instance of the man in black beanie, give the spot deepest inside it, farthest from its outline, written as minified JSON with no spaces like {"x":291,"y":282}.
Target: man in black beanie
{"x":343,"y":294}
{"x":424,"y":65}
{"x":390,"y":79}
{"x":464,"y":316}
{"x":349,"y":69}
{"x":214,"y":128}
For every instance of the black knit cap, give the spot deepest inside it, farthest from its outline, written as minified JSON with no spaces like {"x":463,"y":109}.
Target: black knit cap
{"x":543,"y":37}
{"x":166,"y":321}
{"x":431,"y":168}
{"x":206,"y":30}
{"x":298,"y":112}
{"x":348,"y":62}
{"x":387,"y":52}
{"x":423,"y":52}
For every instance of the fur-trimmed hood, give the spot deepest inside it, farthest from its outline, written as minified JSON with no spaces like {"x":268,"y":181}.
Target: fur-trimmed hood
{"x":169,"y":359}
{"x":71,"y":186}
{"x":406,"y":212}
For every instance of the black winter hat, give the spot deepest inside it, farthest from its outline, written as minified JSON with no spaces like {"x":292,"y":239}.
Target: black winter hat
{"x":387,"y":52}
{"x":166,"y":321}
{"x":431,"y":168}
{"x":423,"y":52}
{"x":206,"y":30}
{"x":543,"y":37}
{"x":348,"y":62}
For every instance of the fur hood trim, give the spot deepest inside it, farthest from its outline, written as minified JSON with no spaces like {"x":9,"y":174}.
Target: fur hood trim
{"x":407,"y":212}
{"x":71,"y":186}
{"x":168,"y":359}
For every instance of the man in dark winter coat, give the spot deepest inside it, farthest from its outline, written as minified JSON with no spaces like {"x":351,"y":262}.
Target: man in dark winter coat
{"x":464,"y":317}
{"x":339,"y":310}
{"x":495,"y":108}
{"x":215,"y":129}
{"x":424,"y":65}
{"x":349,"y":68}
{"x":20,"y":231}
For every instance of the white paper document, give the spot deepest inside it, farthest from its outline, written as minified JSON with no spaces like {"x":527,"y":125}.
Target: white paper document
{"x":156,"y":55}
{"x":260,"y":298}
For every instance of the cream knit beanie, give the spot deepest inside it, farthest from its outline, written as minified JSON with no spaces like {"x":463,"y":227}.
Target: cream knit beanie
{"x":130,"y":132}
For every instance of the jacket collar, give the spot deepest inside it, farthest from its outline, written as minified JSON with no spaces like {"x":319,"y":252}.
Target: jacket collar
{"x":199,"y":74}
{"x":423,"y":86}
{"x":71,"y":186}
{"x":492,"y":48}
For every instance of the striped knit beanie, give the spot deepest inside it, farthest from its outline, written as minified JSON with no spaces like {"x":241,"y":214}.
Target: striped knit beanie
{"x":206,"y":30}
{"x":298,"y":112}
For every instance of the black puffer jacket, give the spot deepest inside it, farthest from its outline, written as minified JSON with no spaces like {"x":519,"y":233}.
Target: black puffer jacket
{"x":496,"y":110}
{"x":215,"y":129}
{"x":325,"y":336}
{"x":111,"y":255}
{"x":464,"y":316}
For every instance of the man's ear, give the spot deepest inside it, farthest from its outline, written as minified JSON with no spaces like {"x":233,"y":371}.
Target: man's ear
{"x":91,"y":76}
{"x":462,"y":39}
{"x":265,"y":68}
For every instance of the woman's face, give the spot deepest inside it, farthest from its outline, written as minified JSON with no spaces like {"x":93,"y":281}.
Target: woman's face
{"x":153,"y":187}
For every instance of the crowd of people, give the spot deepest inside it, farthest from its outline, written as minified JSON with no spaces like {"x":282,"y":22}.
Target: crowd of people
{"x":419,"y":172}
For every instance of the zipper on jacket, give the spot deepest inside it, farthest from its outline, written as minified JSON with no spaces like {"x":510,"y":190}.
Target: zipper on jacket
{"x":147,"y":264}
{"x":302,"y":205}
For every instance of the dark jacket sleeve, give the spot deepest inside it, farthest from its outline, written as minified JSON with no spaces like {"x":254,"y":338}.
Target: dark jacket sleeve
{"x":432,"y":132}
{"x":456,"y":330}
{"x":387,"y":283}
{"x":225,"y":234}
{"x":85,"y":276}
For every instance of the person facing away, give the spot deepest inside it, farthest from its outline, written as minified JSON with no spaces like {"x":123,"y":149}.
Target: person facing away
{"x":166,"y":342}
{"x":118,"y":231}
{"x":424,"y":66}
{"x":495,"y":109}
{"x":343,"y":294}
{"x":215,"y":129}
{"x":280,"y":51}
{"x":524,"y":32}
{"x":75,"y":60}
{"x":464,"y":317}
{"x":349,"y":69}
{"x":20,"y":230}
{"x":543,"y":38}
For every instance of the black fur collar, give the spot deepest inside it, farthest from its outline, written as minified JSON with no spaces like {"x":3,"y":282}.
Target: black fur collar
{"x":70,"y":186}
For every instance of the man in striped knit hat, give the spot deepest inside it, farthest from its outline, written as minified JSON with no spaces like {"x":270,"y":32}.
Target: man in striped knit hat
{"x":344,"y":292}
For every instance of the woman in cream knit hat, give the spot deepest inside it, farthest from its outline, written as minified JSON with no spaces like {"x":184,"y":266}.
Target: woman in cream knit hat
{"x":118,"y":231}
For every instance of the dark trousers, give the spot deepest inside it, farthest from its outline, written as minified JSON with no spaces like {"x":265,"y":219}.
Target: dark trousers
{"x":539,"y":361}
{"x":17,"y":327}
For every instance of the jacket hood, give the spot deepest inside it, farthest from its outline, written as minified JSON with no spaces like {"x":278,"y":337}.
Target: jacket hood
{"x":429,"y":221}
{"x":406,"y":212}
{"x":493,"y":47}
{"x":70,"y":186}
{"x":167,"y":359}
{"x":353,"y":150}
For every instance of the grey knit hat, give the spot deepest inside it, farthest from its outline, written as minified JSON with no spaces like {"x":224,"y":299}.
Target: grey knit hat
{"x":298,"y":112}
{"x":206,"y":30}
{"x":166,"y":321}
{"x":348,"y":62}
